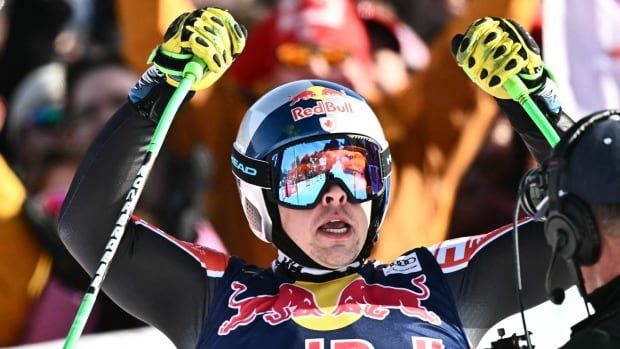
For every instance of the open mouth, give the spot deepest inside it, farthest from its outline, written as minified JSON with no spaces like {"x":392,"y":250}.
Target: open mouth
{"x":335,"y":228}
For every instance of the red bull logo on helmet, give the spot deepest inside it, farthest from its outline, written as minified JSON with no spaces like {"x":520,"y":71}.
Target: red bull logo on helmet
{"x":327,"y":101}
{"x":328,"y":306}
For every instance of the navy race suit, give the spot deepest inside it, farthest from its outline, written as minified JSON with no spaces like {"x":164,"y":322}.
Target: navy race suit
{"x":403,"y":305}
{"x":200,"y":298}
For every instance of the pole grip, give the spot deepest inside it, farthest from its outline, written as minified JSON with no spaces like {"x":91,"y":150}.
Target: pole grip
{"x":518,"y":92}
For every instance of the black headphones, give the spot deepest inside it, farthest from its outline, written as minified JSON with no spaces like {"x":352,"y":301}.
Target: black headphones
{"x":570,"y":226}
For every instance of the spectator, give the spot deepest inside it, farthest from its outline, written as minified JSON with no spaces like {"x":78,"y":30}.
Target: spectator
{"x":20,"y":283}
{"x":35,"y":112}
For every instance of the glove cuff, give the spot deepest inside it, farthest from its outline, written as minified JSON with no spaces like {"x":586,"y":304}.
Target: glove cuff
{"x":533,"y":82}
{"x":169,"y":62}
{"x":548,"y":100}
{"x":151,"y":94}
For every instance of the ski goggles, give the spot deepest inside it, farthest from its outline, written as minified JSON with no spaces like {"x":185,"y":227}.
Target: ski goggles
{"x":298,"y":174}
{"x":46,"y":117}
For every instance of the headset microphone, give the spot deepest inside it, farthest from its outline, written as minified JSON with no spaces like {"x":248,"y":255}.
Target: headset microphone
{"x":534,"y":202}
{"x":556,"y":295}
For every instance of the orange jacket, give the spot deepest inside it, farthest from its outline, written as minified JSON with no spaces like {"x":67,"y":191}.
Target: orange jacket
{"x":24,"y":266}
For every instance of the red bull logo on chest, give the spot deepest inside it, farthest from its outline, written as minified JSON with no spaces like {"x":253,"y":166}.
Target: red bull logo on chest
{"x":329,"y":306}
{"x":327,"y":101}
{"x":292,"y":301}
{"x":375,"y":300}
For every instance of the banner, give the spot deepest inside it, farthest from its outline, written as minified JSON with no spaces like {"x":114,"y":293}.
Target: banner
{"x":581,"y":46}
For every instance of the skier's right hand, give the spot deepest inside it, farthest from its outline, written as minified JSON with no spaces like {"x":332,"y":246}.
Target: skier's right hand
{"x":211,"y":35}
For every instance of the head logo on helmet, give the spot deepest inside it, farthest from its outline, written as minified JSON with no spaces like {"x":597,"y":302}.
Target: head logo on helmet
{"x":250,"y":171}
{"x":297,"y":112}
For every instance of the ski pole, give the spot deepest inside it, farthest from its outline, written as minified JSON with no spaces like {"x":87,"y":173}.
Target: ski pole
{"x":192,"y":72}
{"x":518,"y":92}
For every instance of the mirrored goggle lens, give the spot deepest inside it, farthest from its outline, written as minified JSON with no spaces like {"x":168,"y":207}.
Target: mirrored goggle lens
{"x":303,"y":170}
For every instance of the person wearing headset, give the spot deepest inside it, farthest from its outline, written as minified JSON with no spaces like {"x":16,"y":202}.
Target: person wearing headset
{"x":313,"y":170}
{"x":581,"y":210}
{"x":580,"y":179}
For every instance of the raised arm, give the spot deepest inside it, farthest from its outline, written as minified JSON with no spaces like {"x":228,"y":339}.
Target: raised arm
{"x":165,"y":282}
{"x":495,"y":50}
{"x":435,"y":129}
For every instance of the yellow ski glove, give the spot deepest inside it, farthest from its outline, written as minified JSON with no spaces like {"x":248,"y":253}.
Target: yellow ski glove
{"x":210,"y":35}
{"x":492,"y":50}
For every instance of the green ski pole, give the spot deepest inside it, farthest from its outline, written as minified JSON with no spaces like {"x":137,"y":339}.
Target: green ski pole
{"x":192,"y":72}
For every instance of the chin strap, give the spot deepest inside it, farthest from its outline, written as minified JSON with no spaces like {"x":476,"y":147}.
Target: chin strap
{"x":301,"y":266}
{"x":299,"y":272}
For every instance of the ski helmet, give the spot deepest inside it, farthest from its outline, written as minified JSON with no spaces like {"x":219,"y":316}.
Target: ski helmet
{"x":289,"y":115}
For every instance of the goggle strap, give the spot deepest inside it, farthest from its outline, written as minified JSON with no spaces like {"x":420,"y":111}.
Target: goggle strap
{"x":253,"y":171}
{"x":386,"y":162}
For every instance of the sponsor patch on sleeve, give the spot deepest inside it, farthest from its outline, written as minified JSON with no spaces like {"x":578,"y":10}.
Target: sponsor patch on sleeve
{"x":405,"y":264}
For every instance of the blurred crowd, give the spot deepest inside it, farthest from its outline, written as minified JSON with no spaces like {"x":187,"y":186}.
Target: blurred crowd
{"x":66,"y":65}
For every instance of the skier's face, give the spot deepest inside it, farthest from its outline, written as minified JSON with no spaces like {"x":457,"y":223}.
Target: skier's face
{"x":332,"y":233}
